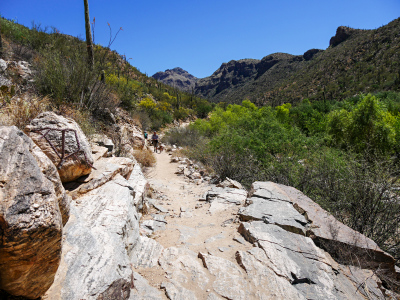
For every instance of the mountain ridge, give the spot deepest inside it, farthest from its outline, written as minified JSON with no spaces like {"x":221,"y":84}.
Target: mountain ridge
{"x":356,"y":61}
{"x":177,"y":77}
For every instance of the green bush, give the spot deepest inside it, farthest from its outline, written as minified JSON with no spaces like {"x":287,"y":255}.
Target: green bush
{"x":183,"y":136}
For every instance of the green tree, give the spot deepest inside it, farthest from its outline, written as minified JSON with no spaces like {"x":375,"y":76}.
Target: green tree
{"x":282,"y":112}
{"x":368,"y":125}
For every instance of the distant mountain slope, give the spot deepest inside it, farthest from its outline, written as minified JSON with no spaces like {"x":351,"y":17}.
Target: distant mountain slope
{"x":356,"y":61}
{"x":178,"y":78}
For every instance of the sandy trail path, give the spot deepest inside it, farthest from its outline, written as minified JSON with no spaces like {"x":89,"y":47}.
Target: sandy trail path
{"x":189,"y":222}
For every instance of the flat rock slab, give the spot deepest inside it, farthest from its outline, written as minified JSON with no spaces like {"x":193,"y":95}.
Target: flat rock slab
{"x":296,"y":258}
{"x":186,"y":233}
{"x":214,"y":238}
{"x":98,"y":151}
{"x":329,"y":232}
{"x":268,"y":190}
{"x":146,"y":253}
{"x":183,"y":267}
{"x":140,"y":185}
{"x":227,"y":195}
{"x":160,"y":208}
{"x":267,"y":284}
{"x":153,"y":225}
{"x":281,"y":213}
{"x":99,"y":239}
{"x":176,"y":292}
{"x":106,"y":170}
{"x":142,"y":290}
{"x":230,"y":281}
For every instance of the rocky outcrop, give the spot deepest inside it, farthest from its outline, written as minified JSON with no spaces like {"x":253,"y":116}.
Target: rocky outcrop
{"x":33,"y":208}
{"x":105,"y":170}
{"x":102,"y":232}
{"x":227,"y":76}
{"x":290,"y":247}
{"x":178,"y":78}
{"x":14,"y":71}
{"x":306,"y":269}
{"x":336,"y":238}
{"x":280,"y":256}
{"x":236,"y":80}
{"x":62,"y":140}
{"x":127,"y":136}
{"x":309,"y":54}
{"x":342,"y":34}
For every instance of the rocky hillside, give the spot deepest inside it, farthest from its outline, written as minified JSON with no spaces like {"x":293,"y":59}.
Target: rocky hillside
{"x":355,"y":61}
{"x":178,"y":78}
{"x":99,"y":236}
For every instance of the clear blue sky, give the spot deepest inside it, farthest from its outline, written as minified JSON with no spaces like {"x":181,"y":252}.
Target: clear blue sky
{"x":199,"y":35}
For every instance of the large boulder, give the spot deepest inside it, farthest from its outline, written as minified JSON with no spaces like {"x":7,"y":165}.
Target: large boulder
{"x":131,"y":139}
{"x":304,"y":266}
{"x":99,"y":239}
{"x":33,"y":207}
{"x":64,"y":143}
{"x":336,"y":238}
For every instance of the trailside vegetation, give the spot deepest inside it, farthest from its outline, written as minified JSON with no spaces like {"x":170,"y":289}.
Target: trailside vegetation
{"x":63,"y":75}
{"x":344,"y":155}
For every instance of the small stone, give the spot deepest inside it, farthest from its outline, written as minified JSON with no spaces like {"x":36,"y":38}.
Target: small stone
{"x":240,"y":240}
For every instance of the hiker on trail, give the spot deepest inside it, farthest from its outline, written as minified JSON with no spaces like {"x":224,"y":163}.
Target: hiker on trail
{"x":145,"y":135}
{"x":154,"y":139}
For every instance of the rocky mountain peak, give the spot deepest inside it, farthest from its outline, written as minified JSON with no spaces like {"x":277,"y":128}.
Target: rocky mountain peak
{"x":342,"y":34}
{"x":177,"y":77}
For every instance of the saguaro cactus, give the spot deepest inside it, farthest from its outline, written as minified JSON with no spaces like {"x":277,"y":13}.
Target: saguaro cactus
{"x":89,"y":41}
{"x":1,"y":45}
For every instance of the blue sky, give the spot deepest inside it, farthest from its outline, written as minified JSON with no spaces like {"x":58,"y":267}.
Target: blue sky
{"x":199,"y":36}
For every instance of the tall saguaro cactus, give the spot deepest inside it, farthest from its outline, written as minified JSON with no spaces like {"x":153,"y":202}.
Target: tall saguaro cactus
{"x":1,"y":45}
{"x":89,"y":41}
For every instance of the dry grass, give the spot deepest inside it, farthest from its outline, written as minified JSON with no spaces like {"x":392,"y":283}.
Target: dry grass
{"x":20,"y":110}
{"x":145,"y":157}
{"x":83,"y":117}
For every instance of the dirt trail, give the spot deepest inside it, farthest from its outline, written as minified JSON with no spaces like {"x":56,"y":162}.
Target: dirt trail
{"x":189,"y":222}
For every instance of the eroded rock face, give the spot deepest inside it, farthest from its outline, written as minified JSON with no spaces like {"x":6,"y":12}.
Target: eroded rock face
{"x":101,"y":233}
{"x":73,"y":157}
{"x":309,"y":269}
{"x":33,"y":207}
{"x":102,"y":236}
{"x":177,"y":77}
{"x":342,"y":34}
{"x":325,"y":230}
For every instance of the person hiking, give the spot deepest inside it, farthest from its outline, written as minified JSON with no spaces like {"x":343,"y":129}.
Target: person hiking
{"x":154,"y":139}
{"x":145,"y":135}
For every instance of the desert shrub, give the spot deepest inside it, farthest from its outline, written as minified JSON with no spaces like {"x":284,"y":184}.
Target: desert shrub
{"x":84,"y":118}
{"x":22,"y":109}
{"x":356,"y":183}
{"x":143,"y":119}
{"x":360,"y":191}
{"x":182,"y":136}
{"x":66,"y":77}
{"x":145,"y":157}
{"x":182,"y":113}
{"x":367,"y":124}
